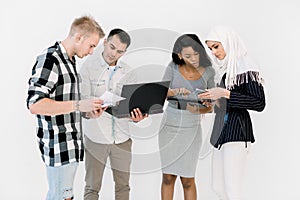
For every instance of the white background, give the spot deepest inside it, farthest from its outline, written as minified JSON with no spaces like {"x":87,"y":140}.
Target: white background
{"x":270,"y":29}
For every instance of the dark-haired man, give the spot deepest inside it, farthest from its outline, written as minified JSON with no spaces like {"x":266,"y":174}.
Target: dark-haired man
{"x":108,"y":136}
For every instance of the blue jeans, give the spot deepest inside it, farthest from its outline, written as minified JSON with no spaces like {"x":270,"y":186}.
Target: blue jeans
{"x":60,"y":181}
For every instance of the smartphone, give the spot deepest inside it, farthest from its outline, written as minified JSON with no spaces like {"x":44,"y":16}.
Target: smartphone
{"x":199,"y":91}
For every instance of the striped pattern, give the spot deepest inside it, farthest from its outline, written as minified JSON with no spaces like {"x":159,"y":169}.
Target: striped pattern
{"x":238,"y":126}
{"x":54,"y":76}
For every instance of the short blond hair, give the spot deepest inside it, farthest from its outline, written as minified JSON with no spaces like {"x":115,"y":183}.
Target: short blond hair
{"x":86,"y":25}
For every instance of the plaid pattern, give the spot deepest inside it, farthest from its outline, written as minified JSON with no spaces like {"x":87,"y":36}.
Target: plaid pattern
{"x":54,"y":76}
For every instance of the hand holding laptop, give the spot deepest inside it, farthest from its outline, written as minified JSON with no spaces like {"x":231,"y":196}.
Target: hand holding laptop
{"x":137,"y":115}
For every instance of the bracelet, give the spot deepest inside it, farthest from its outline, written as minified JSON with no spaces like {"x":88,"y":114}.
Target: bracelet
{"x":77,"y":106}
{"x":86,"y":115}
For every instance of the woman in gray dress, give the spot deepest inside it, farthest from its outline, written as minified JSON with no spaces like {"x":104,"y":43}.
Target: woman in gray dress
{"x":180,"y":132}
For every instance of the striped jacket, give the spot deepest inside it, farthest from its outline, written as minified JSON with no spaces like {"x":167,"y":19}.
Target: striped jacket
{"x":232,"y":121}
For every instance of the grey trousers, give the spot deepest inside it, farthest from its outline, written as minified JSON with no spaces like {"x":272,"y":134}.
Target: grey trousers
{"x":95,"y":162}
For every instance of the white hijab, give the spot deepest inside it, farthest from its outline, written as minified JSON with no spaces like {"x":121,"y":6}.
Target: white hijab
{"x":237,"y":64}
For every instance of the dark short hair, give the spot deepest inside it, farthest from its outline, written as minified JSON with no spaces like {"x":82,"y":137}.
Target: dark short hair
{"x":190,"y":40}
{"x":123,"y":36}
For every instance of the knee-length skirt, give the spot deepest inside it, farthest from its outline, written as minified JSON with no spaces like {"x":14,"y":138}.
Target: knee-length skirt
{"x":180,"y":142}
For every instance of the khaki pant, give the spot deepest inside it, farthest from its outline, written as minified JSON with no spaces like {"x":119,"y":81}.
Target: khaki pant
{"x":95,"y":162}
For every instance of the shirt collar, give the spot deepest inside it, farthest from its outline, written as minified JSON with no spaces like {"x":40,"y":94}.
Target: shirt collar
{"x":64,"y":52}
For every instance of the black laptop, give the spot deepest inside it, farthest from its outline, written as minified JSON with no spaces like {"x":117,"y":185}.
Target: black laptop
{"x":148,"y":97}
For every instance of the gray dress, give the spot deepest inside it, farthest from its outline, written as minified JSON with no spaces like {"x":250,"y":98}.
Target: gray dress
{"x":180,"y":131}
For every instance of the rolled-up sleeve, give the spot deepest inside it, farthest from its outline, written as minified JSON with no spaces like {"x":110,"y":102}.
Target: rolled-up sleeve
{"x":43,"y":80}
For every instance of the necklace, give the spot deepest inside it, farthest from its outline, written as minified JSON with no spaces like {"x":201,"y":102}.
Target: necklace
{"x":191,"y":75}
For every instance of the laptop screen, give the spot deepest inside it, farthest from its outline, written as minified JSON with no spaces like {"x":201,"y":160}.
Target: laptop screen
{"x":148,"y":97}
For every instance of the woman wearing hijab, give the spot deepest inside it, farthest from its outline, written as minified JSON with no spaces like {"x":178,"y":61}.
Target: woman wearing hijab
{"x":239,"y":89}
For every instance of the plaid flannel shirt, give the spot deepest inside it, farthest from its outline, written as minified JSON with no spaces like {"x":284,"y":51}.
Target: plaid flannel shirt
{"x":54,"y":76}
